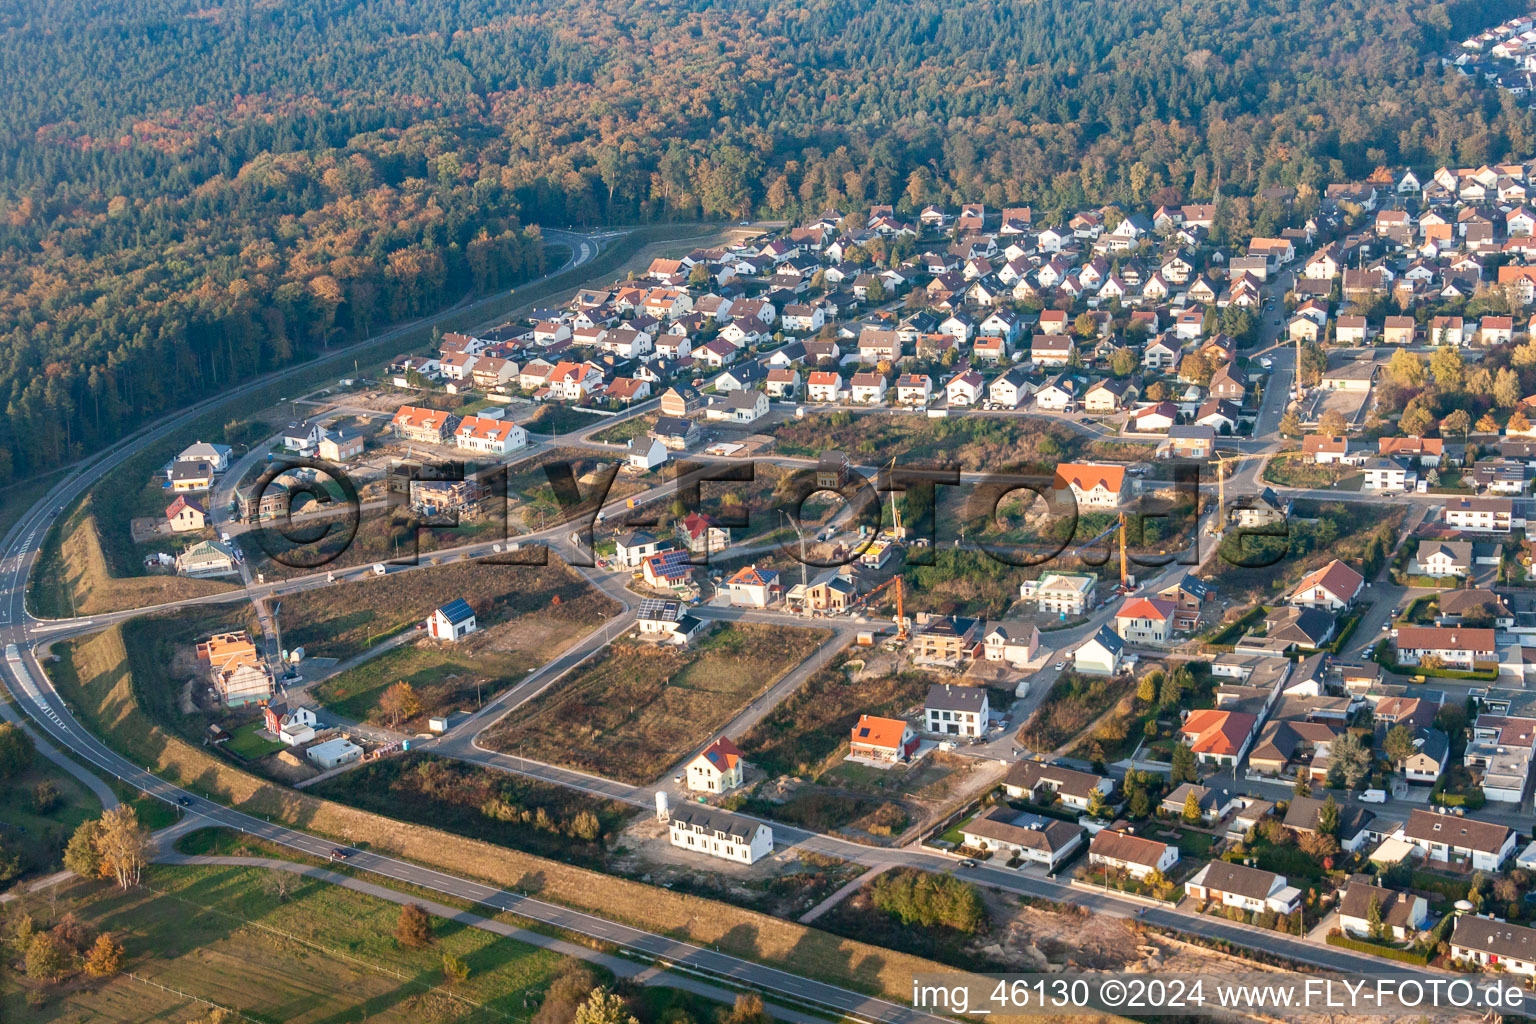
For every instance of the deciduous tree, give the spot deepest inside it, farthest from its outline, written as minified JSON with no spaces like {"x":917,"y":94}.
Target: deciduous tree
{"x":413,"y":930}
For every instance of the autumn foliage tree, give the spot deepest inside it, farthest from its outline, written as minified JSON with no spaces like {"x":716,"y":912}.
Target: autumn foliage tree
{"x":413,"y":929}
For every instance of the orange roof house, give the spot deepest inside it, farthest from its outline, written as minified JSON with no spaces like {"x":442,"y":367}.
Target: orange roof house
{"x":417,"y":424}
{"x":1217,"y":735}
{"x":1145,"y":608}
{"x":1091,"y":483}
{"x":882,"y":739}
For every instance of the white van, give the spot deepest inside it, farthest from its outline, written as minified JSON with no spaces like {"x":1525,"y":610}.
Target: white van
{"x":379,"y":568}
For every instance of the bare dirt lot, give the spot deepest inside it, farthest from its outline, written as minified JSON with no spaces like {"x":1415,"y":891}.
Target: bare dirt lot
{"x":786,"y":884}
{"x":634,"y":710}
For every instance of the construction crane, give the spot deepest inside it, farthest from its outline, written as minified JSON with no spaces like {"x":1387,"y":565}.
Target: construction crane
{"x":901,"y":615}
{"x":1125,"y":578}
{"x":1222,"y":461}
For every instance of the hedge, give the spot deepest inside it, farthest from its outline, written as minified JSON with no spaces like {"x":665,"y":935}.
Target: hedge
{"x":1406,"y":956}
{"x":1381,"y":656}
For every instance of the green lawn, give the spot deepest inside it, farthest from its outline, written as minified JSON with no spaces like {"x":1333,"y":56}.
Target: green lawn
{"x":38,"y":836}
{"x":952,"y":834}
{"x":1195,"y":844}
{"x":443,"y":679}
{"x":246,"y":743}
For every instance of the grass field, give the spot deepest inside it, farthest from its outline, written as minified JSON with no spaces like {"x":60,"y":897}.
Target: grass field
{"x":35,"y":834}
{"x":341,"y":621}
{"x":74,"y":575}
{"x":634,"y":710}
{"x":246,"y":743}
{"x":320,"y":954}
{"x":445,"y":679}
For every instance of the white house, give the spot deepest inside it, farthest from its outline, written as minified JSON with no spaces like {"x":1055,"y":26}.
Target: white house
{"x":699,"y":828}
{"x":1100,"y":655}
{"x":334,"y":753}
{"x":1015,"y":647}
{"x":1238,"y":885}
{"x":1135,"y":855}
{"x":1028,"y":837}
{"x":1403,"y":915}
{"x":1391,"y":476}
{"x":491,"y":436}
{"x":1489,"y":942}
{"x":956,"y":711}
{"x":1145,"y":620}
{"x":1060,"y":593}
{"x":1448,"y":839}
{"x":635,"y":547}
{"x":1041,"y":783}
{"x":1331,"y":588}
{"x":646,"y":453}
{"x":823,"y":386}
{"x":965,"y":388}
{"x":1093,"y":485}
{"x":452,"y":621}
{"x":719,"y":768}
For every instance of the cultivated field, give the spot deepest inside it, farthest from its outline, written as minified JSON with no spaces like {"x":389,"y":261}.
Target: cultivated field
{"x":634,"y":710}
{"x":317,"y":953}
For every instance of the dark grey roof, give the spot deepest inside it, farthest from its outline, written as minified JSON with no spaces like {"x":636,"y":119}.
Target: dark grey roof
{"x":1109,"y":639}
{"x":1498,"y":937}
{"x":669,"y":425}
{"x":701,"y":818}
{"x":1254,"y":883}
{"x":956,"y":698}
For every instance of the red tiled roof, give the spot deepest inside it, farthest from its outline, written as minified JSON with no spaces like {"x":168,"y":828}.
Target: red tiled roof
{"x":1214,"y":731}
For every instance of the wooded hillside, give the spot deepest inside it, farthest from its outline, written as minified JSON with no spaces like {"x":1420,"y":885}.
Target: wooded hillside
{"x":191,"y":193}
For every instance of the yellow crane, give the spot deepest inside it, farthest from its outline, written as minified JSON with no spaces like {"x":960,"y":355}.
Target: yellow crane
{"x":1222,"y":462}
{"x":1125,"y":578}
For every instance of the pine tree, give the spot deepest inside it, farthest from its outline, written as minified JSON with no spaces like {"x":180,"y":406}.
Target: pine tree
{"x":1182,"y":766}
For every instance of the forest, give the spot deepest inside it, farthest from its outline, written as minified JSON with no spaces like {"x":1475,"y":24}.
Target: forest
{"x":193,"y":193}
